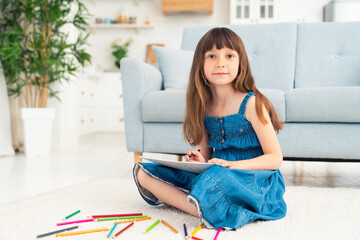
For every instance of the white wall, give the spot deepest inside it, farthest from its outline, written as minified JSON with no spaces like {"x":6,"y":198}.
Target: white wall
{"x":168,"y":29}
{"x":301,"y":10}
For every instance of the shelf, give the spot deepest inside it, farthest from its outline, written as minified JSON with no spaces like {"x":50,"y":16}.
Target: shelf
{"x":136,"y":1}
{"x":137,"y":27}
{"x":181,"y":6}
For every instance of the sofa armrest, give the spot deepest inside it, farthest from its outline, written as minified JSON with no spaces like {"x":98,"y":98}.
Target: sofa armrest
{"x":138,"y":79}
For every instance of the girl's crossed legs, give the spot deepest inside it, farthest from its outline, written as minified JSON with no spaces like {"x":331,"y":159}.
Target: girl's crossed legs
{"x":166,"y":193}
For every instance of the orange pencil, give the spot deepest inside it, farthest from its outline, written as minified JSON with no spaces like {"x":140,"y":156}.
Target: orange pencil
{"x":171,"y":227}
{"x":133,"y":220}
{"x":82,"y":232}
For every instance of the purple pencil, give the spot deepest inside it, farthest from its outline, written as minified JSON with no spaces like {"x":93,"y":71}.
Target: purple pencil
{"x":217,"y":233}
{"x":77,"y":221}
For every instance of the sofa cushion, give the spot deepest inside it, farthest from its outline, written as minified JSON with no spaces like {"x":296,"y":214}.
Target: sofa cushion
{"x":169,"y":106}
{"x":175,"y":66}
{"x":270,"y":47}
{"x":328,"y":104}
{"x":328,"y":54}
{"x":320,"y":140}
{"x":164,"y":106}
{"x":277,"y":99}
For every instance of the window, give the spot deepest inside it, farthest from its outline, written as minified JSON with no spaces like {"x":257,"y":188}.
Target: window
{"x":262,"y":11}
{"x":271,"y":11}
{"x":238,"y":11}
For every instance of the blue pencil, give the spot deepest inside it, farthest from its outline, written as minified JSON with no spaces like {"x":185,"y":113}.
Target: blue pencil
{"x":112,"y":229}
{"x":191,"y":155}
{"x":185,"y":231}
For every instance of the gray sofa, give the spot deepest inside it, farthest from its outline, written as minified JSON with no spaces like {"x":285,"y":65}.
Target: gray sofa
{"x":310,"y":72}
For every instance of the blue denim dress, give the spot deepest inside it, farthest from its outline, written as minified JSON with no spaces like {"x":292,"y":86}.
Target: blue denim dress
{"x":228,"y":198}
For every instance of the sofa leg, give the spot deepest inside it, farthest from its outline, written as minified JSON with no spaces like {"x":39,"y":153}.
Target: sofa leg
{"x":137,"y":156}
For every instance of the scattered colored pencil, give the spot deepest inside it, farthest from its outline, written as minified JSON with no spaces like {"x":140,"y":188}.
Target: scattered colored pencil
{"x":171,"y":227}
{"x":185,"y":231}
{"x":77,"y":221}
{"x":196,"y":238}
{"x":117,"y":215}
{"x":119,"y":218}
{"x":55,"y":232}
{"x":112,"y":230}
{"x":152,"y":226}
{"x":69,"y":216}
{"x":82,"y":232}
{"x":217,"y":233}
{"x":122,"y":230}
{"x":133,"y":220}
{"x":196,"y":230}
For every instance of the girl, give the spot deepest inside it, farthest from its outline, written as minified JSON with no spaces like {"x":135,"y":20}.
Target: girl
{"x":234,"y":126}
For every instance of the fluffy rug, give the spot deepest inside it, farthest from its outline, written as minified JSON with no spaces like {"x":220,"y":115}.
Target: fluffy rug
{"x":313,"y":213}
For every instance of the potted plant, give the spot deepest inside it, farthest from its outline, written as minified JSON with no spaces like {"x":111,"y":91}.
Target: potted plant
{"x":36,"y":54}
{"x":120,"y":50}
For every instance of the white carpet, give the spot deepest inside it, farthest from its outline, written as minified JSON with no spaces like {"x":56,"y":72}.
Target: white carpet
{"x":313,"y":213}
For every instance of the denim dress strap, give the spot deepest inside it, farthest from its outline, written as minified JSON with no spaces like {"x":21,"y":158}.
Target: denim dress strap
{"x":244,"y":102}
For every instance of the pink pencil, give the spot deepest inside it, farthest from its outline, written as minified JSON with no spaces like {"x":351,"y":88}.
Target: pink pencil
{"x":217,"y":233}
{"x":77,"y":221}
{"x":117,"y":215}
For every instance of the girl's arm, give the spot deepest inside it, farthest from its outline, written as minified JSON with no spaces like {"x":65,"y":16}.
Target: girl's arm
{"x":272,"y":158}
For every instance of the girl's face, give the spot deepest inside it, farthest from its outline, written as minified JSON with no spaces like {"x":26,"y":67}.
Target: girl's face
{"x":221,"y":66}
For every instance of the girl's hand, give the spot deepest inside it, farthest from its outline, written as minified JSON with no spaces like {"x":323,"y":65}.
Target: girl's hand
{"x":222,"y":163}
{"x":196,"y":156}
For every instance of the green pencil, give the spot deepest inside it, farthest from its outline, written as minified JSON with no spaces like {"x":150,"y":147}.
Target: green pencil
{"x":152,"y":226}
{"x":67,"y":217}
{"x":119,"y":218}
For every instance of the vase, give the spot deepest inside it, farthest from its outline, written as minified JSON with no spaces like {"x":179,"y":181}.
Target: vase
{"x":37,"y":128}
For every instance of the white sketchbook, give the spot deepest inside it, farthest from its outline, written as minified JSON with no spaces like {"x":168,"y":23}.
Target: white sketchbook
{"x":194,"y":167}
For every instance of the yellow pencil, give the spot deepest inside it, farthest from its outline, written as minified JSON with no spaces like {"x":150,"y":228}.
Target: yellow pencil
{"x":196,"y":230}
{"x":82,"y":232}
{"x":171,"y":227}
{"x":133,"y":220}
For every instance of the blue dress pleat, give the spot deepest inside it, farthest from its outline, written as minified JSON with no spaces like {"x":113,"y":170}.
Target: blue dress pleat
{"x":228,"y":198}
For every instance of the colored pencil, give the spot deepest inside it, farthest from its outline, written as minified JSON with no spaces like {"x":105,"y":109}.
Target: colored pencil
{"x":171,"y":227}
{"x":196,"y":230}
{"x":118,"y":218}
{"x":122,"y":230}
{"x":58,"y":231}
{"x":82,"y":232}
{"x":133,"y":220}
{"x":152,"y":226}
{"x":112,"y":230}
{"x":195,"y":238}
{"x":77,"y":221}
{"x":185,"y":231}
{"x":69,"y":216}
{"x":117,"y":215}
{"x":217,"y":233}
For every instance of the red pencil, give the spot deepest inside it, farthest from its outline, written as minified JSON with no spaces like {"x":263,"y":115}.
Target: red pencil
{"x":122,"y":230}
{"x":117,"y":215}
{"x":195,"y":238}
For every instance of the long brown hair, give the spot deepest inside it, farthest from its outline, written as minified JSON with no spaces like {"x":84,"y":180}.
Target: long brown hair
{"x":199,"y":95}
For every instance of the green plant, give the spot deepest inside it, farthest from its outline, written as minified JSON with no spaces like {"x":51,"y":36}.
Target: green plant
{"x":120,"y":50}
{"x":35,"y":49}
